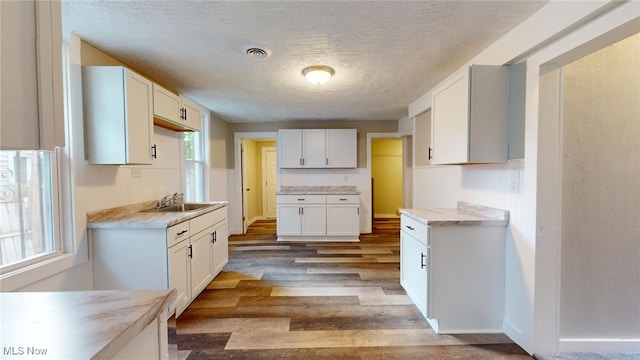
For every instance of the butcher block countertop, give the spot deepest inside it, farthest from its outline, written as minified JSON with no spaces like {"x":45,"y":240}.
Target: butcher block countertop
{"x":318,"y":190}
{"x":138,"y":216}
{"x":77,"y":324}
{"x":464,"y":214}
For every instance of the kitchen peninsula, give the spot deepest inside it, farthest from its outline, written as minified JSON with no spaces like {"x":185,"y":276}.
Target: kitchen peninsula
{"x":318,"y":213}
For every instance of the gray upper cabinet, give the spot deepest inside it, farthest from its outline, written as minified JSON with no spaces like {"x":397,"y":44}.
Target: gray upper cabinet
{"x":118,"y":109}
{"x":470,"y":117}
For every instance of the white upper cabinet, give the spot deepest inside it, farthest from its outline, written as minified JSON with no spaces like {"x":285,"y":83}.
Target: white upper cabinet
{"x":118,"y":108}
{"x":166,"y":105}
{"x":317,"y":148}
{"x":342,"y":148}
{"x":470,"y":117}
{"x":190,"y":114}
{"x":313,"y":148}
{"x":32,"y":115}
{"x":174,"y":112}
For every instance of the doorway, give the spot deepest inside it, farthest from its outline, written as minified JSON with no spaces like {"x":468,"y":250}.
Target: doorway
{"x":258,"y":179}
{"x":572,"y":323}
{"x":386,"y":174}
{"x":248,"y":181}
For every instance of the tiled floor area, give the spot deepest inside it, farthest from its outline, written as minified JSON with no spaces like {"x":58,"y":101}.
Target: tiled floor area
{"x":318,"y":301}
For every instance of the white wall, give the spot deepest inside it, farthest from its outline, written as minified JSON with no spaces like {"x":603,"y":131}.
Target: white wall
{"x":528,"y":287}
{"x":600,"y":275}
{"x":103,"y":186}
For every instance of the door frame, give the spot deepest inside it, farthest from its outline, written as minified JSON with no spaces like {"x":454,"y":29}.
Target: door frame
{"x":544,"y":115}
{"x":265,"y":210}
{"x":239,"y":210}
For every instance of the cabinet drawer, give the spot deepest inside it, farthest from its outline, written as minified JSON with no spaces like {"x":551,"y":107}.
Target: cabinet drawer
{"x":204,"y":221}
{"x":301,"y":199}
{"x":343,"y":199}
{"x":414,"y":228}
{"x":177,"y":233}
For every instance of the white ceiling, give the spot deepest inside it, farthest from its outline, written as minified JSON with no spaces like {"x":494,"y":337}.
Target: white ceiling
{"x":385,"y":54}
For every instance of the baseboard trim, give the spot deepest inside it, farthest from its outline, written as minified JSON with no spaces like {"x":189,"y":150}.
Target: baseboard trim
{"x":599,"y":345}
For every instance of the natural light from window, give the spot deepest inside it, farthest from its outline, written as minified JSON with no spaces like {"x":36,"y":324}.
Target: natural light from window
{"x":26,"y":207}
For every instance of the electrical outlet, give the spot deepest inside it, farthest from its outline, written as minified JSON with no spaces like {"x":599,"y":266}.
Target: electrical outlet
{"x":346,"y":178}
{"x":135,"y":172}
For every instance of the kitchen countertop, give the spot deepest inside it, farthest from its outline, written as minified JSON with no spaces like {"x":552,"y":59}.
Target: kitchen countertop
{"x":135,"y":216}
{"x":465,"y":214}
{"x":318,"y":190}
{"x":77,"y":324}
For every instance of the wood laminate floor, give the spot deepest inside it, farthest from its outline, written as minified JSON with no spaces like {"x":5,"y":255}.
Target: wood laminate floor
{"x":318,"y":301}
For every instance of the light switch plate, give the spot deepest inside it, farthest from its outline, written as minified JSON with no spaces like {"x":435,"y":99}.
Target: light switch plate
{"x":136,"y":172}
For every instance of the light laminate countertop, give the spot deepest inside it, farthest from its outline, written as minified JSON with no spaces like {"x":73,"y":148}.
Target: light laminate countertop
{"x":318,"y":190}
{"x":76,"y":324}
{"x":464,"y":214}
{"x":138,"y":216}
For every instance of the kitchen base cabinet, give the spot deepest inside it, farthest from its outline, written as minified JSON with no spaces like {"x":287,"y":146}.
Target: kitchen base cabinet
{"x":179,"y":274}
{"x":318,"y":217}
{"x":455,"y":275}
{"x":162,"y":258}
{"x":343,"y":216}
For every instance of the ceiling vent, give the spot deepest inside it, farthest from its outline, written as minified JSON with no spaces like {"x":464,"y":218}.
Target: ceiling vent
{"x":258,"y":53}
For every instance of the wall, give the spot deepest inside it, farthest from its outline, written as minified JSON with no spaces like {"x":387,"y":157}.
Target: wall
{"x":529,"y":288}
{"x":363,"y":128}
{"x":104,"y":186}
{"x":600,"y":284}
{"x":386,"y":171}
{"x":359,"y":177}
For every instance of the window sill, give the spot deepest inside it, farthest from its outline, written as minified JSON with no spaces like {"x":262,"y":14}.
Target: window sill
{"x":22,"y":277}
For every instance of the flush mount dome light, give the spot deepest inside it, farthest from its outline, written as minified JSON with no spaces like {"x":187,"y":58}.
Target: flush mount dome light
{"x":318,"y":74}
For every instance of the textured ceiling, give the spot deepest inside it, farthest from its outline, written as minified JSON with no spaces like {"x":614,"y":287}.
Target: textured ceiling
{"x":385,"y":54}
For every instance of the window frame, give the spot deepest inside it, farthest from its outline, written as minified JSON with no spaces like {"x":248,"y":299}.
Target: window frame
{"x":204,"y":148}
{"x":30,"y":273}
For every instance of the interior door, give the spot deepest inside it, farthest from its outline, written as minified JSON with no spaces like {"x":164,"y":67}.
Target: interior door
{"x":269,"y":172}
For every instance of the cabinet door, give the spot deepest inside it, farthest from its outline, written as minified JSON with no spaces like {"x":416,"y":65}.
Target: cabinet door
{"x":342,"y":148}
{"x":179,"y":275}
{"x":413,"y":270}
{"x":450,"y":123}
{"x":219,"y":248}
{"x":289,"y":219}
{"x":200,"y":261}
{"x":166,"y":104}
{"x":191,"y":115}
{"x":343,"y":220}
{"x":139,"y":118}
{"x":313,"y":148}
{"x":290,"y":148}
{"x":314,"y":219}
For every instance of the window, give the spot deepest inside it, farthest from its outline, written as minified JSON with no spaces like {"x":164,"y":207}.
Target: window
{"x":26,"y":207}
{"x":194,"y":166}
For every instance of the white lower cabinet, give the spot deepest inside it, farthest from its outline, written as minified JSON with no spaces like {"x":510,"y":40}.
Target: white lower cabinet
{"x":301,"y":215}
{"x":186,"y":256}
{"x":179,"y":274}
{"x":343,"y":215}
{"x":454,"y":274}
{"x":318,"y":217}
{"x":413,"y":269}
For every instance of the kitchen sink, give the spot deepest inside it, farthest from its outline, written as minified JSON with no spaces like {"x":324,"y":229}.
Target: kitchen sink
{"x":180,"y":208}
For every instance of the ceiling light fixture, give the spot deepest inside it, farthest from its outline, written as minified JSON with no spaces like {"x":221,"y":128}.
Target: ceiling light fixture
{"x":318,"y":74}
